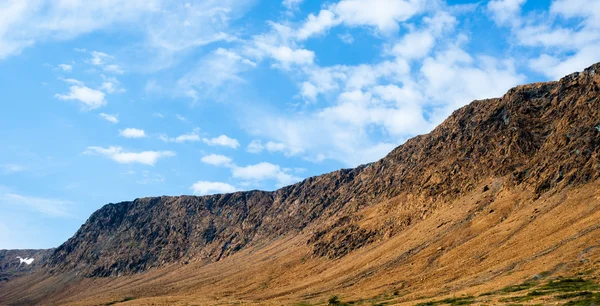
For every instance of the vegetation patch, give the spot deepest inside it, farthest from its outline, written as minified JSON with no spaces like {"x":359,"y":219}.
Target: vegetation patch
{"x":516,"y":299}
{"x":593,"y":299}
{"x":335,"y":300}
{"x":573,"y":295}
{"x":569,"y":285}
{"x":517,"y":288}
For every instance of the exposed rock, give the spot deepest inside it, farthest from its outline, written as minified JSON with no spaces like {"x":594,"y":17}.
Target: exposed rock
{"x":543,"y":136}
{"x":11,"y":266}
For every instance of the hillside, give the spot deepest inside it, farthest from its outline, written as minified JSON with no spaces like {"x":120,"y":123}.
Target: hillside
{"x":503,"y":190}
{"x":11,"y":266}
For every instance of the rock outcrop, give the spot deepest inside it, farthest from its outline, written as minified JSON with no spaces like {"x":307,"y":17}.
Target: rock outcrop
{"x":31,"y":260}
{"x":543,"y":137}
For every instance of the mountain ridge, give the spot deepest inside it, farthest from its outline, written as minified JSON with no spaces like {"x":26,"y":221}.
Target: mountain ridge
{"x":293,"y":208}
{"x":536,"y":141}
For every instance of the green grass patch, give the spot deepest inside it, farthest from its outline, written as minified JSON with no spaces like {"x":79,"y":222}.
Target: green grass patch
{"x":593,"y":299}
{"x":573,"y":295}
{"x":517,"y":288}
{"x":516,"y":299}
{"x":569,"y":285}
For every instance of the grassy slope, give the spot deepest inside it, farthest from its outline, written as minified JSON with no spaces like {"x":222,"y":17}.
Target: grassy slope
{"x":477,"y":244}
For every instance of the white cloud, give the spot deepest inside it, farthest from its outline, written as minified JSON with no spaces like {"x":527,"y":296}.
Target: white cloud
{"x":381,"y":105}
{"x":564,"y":49}
{"x":114,"y":69}
{"x":89,"y":98}
{"x":414,"y":45}
{"x":99,"y":58}
{"x":119,"y":155}
{"x":11,"y":168}
{"x":346,"y":38}
{"x":292,"y":4}
{"x":72,"y":81}
{"x":206,"y":188}
{"x":103,"y":61}
{"x":65,"y":67}
{"x":253,"y":174}
{"x":264,"y":171}
{"x":190,"y":137}
{"x":223,"y":141}
{"x":110,"y":118}
{"x":317,"y":24}
{"x":49,"y":207}
{"x":384,"y":15}
{"x":255,"y":146}
{"x":505,"y":11}
{"x":214,"y":70}
{"x":132,"y":133}
{"x":167,"y":27}
{"x":216,"y":160}
{"x":555,"y":68}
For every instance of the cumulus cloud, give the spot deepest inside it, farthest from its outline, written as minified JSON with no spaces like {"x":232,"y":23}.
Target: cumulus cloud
{"x":109,"y":118}
{"x":88,"y":98}
{"x":256,"y":146}
{"x":256,"y":173}
{"x":384,"y":15}
{"x":223,"y":140}
{"x":206,"y":188}
{"x":505,"y":11}
{"x":264,"y":171}
{"x":132,"y":133}
{"x":216,"y":160}
{"x":564,"y":49}
{"x":121,"y":156}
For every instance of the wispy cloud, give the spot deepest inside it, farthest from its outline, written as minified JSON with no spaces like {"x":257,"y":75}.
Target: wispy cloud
{"x":11,"y":168}
{"x":119,"y":155}
{"x":189,"y":137}
{"x":110,"y":118}
{"x":65,"y":67}
{"x":49,"y":207}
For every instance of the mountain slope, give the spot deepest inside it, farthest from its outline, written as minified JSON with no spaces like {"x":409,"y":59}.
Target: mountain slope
{"x":448,"y":211}
{"x":11,"y":266}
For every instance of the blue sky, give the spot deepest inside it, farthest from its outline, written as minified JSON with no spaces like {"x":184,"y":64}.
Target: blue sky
{"x":107,"y":101}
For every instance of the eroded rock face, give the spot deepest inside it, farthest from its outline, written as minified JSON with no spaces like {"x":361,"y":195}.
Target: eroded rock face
{"x":30,"y":260}
{"x":541,"y":137}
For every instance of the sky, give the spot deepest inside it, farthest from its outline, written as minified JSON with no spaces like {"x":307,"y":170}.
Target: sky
{"x":108,"y":101}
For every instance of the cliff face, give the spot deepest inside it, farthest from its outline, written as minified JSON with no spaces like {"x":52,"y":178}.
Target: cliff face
{"x":539,"y":137}
{"x":11,"y":266}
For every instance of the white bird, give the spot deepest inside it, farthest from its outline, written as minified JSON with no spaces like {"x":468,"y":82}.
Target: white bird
{"x":25,"y":260}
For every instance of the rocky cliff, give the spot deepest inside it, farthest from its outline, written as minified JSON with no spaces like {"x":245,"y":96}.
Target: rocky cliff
{"x":11,"y":266}
{"x":541,"y":137}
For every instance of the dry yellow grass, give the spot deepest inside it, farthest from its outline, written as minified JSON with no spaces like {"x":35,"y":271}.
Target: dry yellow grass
{"x":479,"y":243}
